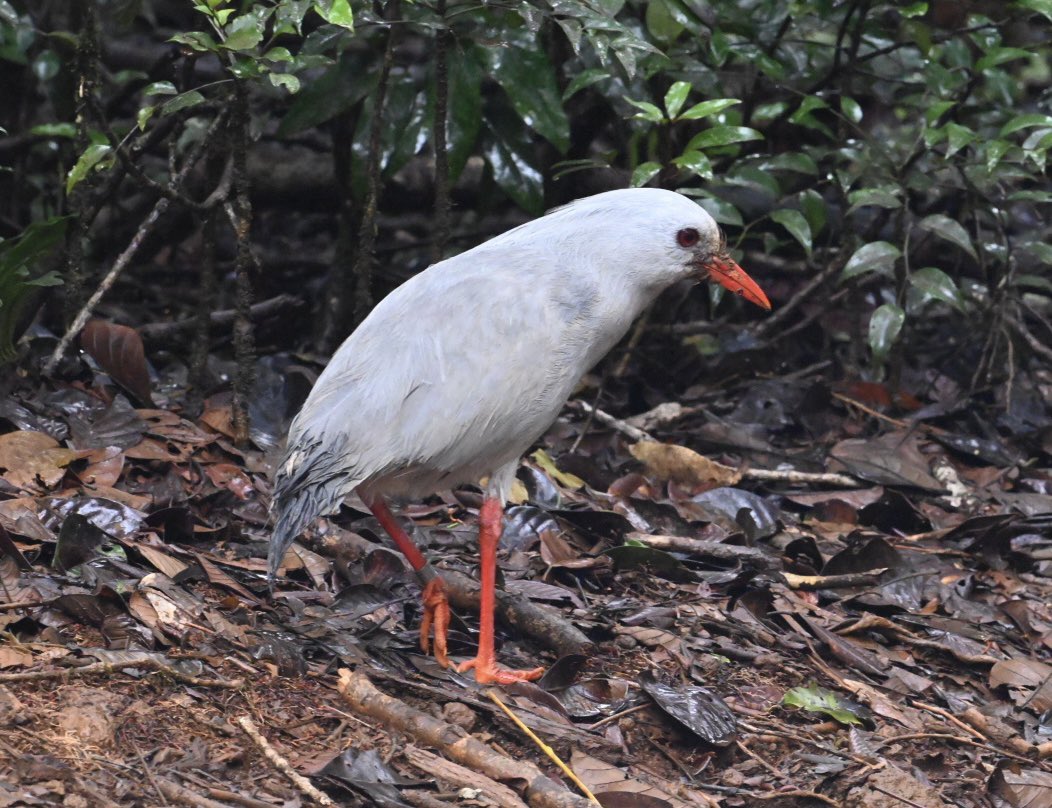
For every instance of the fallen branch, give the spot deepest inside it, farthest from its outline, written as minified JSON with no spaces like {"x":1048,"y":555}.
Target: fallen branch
{"x":181,"y":794}
{"x":454,"y":742}
{"x":848,"y":579}
{"x":453,"y":773}
{"x":158,"y":665}
{"x":705,"y":547}
{"x":544,"y":625}
{"x":282,"y":765}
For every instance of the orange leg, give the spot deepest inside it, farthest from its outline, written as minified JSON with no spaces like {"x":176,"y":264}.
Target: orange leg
{"x":436,"y":605}
{"x":485,"y":664}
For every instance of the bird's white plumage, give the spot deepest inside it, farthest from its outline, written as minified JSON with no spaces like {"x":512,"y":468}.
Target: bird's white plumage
{"x":457,"y":371}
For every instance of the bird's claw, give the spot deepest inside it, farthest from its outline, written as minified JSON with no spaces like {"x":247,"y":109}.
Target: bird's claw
{"x":488,"y":672}
{"x":436,"y":616}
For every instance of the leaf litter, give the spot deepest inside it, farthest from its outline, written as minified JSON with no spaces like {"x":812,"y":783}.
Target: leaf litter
{"x":727,"y":639}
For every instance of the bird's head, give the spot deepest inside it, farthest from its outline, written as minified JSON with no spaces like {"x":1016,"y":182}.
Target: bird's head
{"x":660,"y":237}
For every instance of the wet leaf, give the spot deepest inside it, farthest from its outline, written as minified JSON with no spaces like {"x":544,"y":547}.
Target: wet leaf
{"x":879,"y":256}
{"x":932,"y":283}
{"x":697,"y":708}
{"x":884,"y":327}
{"x":950,"y":230}
{"x":529,"y":80}
{"x":796,"y":224}
{"x":739,"y":509}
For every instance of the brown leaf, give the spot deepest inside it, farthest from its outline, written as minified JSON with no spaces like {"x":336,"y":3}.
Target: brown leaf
{"x":1031,"y":677}
{"x":33,"y":460}
{"x":679,"y":464}
{"x":119,"y":351}
{"x":893,"y":459}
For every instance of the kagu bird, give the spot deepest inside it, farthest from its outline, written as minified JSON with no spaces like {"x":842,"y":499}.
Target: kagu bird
{"x":459,"y":370}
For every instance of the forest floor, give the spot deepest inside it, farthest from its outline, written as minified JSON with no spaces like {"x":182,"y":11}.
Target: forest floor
{"x":875,"y":634}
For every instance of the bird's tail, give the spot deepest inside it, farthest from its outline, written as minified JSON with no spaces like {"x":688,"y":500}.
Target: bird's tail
{"x":295,"y":509}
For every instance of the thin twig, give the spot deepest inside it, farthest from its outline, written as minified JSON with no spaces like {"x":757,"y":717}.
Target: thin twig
{"x":282,"y":765}
{"x":543,"y":747}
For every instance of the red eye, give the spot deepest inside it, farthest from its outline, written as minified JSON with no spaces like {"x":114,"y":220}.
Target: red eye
{"x":687,"y":237}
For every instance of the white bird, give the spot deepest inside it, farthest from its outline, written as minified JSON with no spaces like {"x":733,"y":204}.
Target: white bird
{"x":460,"y":369}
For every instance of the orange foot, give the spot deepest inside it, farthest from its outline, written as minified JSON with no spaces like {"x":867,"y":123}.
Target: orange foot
{"x":436,"y":614}
{"x":488,"y":672}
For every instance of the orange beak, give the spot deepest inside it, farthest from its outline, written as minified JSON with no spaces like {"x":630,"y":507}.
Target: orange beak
{"x":726,"y":273}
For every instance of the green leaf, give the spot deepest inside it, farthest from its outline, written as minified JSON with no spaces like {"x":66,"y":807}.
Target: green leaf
{"x":650,"y":111}
{"x":183,"y":101}
{"x":949,"y":229}
{"x":286,"y":80}
{"x":160,"y":88}
{"x":884,"y":328}
{"x":995,"y":151}
{"x":1025,"y":122}
{"x":937,"y":110}
{"x":708,"y":108}
{"x":243,"y":38}
{"x":18,"y":282}
{"x":851,"y":109}
{"x":797,"y":225}
{"x":196,"y":40}
{"x":644,"y":173}
{"x":884,"y":197}
{"x":465,"y":107}
{"x":278,"y":55}
{"x":932,"y":283}
{"x":877,"y":256}
{"x":66,"y":130}
{"x":586,"y":78}
{"x":528,"y":78}
{"x":696,"y":163}
{"x":336,"y":12}
{"x":722,"y":136}
{"x":957,"y":138}
{"x":998,"y":56}
{"x":144,"y":115}
{"x":814,"y":208}
{"x":676,"y":97}
{"x":793,"y":161}
{"x":817,"y":699}
{"x":1031,"y":196}
{"x":803,"y":116}
{"x":1040,"y":6}
{"x":1039,"y":249}
{"x":510,"y":153}
{"x":722,"y":211}
{"x":914,"y":10}
{"x":93,"y":156}
{"x":661,"y":23}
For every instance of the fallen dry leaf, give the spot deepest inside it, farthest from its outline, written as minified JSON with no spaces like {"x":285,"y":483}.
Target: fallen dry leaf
{"x":33,"y":460}
{"x":666,"y":461}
